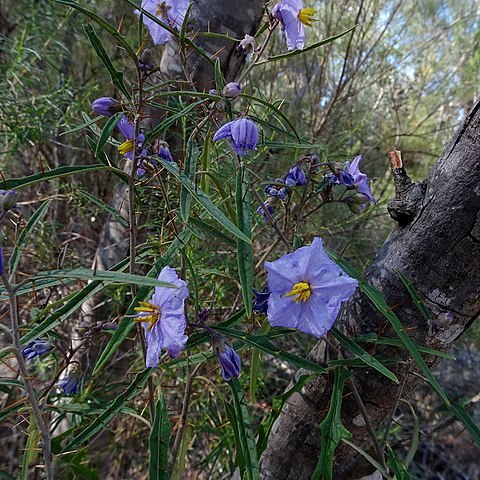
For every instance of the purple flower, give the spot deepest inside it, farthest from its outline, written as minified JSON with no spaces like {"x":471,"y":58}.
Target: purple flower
{"x":295,"y":177}
{"x":230,"y":362}
{"x":342,"y":177}
{"x":260,"y":300}
{"x":360,"y":180}
{"x":247,"y":45}
{"x":105,"y":106}
{"x":277,"y":190}
{"x":242,"y":132}
{"x":293,"y":17}
{"x":35,"y":348}
{"x":127,"y":147}
{"x":163,"y":318}
{"x":232,"y":90}
{"x":268,"y":205}
{"x":164,"y":151}
{"x":307,"y":289}
{"x":170,"y":12}
{"x":69,"y":384}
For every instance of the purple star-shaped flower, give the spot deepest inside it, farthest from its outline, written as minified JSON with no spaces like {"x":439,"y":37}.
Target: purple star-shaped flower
{"x":307,"y":289}
{"x":170,"y":12}
{"x":293,"y":17}
{"x":360,"y":180}
{"x":243,"y":133}
{"x":163,"y":318}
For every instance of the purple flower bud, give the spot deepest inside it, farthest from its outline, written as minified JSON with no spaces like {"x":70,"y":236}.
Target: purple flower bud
{"x":260,"y":301}
{"x":230,"y":362}
{"x":106,"y":106}
{"x":242,"y":132}
{"x":277,"y":190}
{"x":69,"y":384}
{"x":7,"y":199}
{"x":295,"y":177}
{"x":354,"y":205}
{"x":232,"y":90}
{"x":36,"y":348}
{"x":268,"y":205}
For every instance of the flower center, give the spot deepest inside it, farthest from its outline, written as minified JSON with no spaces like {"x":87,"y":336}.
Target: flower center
{"x":125,"y":147}
{"x":162,"y":10}
{"x":300,"y":292}
{"x":151,"y":312}
{"x":305,"y":16}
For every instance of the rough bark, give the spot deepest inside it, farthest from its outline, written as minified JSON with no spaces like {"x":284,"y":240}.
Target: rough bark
{"x":437,"y":246}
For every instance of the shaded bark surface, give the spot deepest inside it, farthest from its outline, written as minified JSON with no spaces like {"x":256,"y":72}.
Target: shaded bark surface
{"x":439,"y":251}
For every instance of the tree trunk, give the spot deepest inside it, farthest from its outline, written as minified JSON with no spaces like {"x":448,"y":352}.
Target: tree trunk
{"x":436,"y":245}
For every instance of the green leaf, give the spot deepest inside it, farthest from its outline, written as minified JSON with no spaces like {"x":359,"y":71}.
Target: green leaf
{"x":102,"y":275}
{"x":51,"y":174}
{"x":104,"y":24}
{"x":245,"y":432}
{"x":115,"y":75}
{"x":306,"y":49}
{"x":30,"y":450}
{"x":76,"y":300}
{"x":101,"y":422}
{"x":360,"y":353}
{"x":415,"y":297}
{"x":107,"y":131}
{"x":331,"y":429}
{"x":104,"y":206}
{"x":204,"y":201}
{"x":159,"y":438}
{"x":214,"y":232}
{"x":262,"y":342}
{"x":277,"y":406}
{"x":24,"y":236}
{"x":244,"y":249}
{"x":189,"y":170}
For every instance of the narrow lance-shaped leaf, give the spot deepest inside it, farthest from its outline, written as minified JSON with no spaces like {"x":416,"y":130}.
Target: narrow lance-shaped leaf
{"x":24,"y":236}
{"x":244,"y":249}
{"x":115,"y":75}
{"x":159,"y":437}
{"x":204,"y":201}
{"x":331,"y":429}
{"x":245,"y":432}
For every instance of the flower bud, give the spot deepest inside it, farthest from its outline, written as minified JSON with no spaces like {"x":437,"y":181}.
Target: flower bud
{"x":7,"y":199}
{"x":106,"y":106}
{"x":232,"y":90}
{"x":36,"y":348}
{"x":260,"y":301}
{"x":358,"y":198}
{"x":354,"y":205}
{"x":69,"y":384}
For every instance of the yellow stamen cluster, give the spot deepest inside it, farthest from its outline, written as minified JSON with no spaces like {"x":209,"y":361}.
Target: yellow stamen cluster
{"x":305,"y":16}
{"x":153,"y":314}
{"x":125,"y":147}
{"x":300,"y":292}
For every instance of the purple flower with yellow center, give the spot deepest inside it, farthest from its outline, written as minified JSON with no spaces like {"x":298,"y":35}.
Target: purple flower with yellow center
{"x":128,"y":131}
{"x":307,"y":289}
{"x":243,"y":133}
{"x":69,"y":384}
{"x":106,"y":106}
{"x":163,"y":318}
{"x":170,"y":12}
{"x":292,"y":16}
{"x":36,"y":348}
